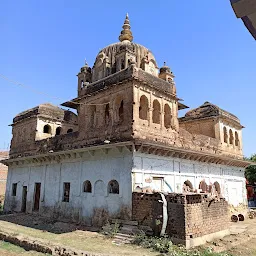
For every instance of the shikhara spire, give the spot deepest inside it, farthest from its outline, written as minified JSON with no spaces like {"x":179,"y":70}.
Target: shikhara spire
{"x":126,"y":33}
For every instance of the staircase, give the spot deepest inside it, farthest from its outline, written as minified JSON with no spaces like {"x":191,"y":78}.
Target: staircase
{"x":127,"y":230}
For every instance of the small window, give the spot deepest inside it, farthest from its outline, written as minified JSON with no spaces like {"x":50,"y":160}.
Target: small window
{"x":47,"y":129}
{"x":66,"y":191}
{"x":69,"y":130}
{"x":58,"y":130}
{"x":113,"y":187}
{"x":87,"y":187}
{"x":14,"y":189}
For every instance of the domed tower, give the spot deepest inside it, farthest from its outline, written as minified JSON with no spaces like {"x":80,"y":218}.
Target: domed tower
{"x":124,"y":97}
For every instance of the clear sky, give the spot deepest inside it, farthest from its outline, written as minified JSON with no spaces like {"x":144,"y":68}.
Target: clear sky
{"x":44,"y":43}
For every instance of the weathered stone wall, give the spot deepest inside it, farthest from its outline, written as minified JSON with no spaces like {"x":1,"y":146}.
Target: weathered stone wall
{"x":3,"y":172}
{"x":97,"y":167}
{"x":189,"y":216}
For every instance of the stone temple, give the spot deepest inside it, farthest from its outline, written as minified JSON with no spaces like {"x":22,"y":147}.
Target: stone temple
{"x":126,"y":138}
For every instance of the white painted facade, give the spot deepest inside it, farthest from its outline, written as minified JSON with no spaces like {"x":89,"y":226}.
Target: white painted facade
{"x":129,"y":169}
{"x":98,"y":169}
{"x":175,"y":172}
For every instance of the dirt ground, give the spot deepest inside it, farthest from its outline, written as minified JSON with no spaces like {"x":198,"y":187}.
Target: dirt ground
{"x":241,"y":242}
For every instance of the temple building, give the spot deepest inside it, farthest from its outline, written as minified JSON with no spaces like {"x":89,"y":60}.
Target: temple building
{"x":125,"y":137}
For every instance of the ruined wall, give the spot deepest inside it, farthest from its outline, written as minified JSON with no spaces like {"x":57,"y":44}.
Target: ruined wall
{"x":174,"y":172}
{"x":204,"y":127}
{"x":99,"y":169}
{"x":189,"y":216}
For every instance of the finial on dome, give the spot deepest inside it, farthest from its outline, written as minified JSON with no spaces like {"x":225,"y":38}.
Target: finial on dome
{"x":85,"y":63}
{"x":126,"y":33}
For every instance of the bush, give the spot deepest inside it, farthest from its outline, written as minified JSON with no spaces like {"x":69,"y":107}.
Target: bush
{"x":164,"y":245}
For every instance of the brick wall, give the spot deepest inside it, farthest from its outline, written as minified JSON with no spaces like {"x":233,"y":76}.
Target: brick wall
{"x":3,"y":172}
{"x":189,"y":216}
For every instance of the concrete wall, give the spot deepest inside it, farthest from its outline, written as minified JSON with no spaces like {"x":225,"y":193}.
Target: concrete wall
{"x":175,"y":172}
{"x":99,"y":169}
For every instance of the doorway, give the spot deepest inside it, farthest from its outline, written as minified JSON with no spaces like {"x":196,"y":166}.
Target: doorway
{"x":37,"y":196}
{"x":24,"y":198}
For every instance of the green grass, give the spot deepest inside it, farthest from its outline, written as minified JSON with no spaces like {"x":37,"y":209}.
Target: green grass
{"x":11,"y":249}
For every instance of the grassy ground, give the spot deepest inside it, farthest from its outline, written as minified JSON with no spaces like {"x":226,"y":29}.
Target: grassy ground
{"x":7,"y":249}
{"x":242,"y":242}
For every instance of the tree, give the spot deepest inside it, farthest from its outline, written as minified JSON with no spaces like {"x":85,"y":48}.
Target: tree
{"x":250,"y":171}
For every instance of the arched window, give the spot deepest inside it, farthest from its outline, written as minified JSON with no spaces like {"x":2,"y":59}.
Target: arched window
{"x":188,"y":184}
{"x":217,"y":187}
{"x":92,"y":116}
{"x":156,"y":112}
{"x":87,"y":186}
{"x":122,"y":64}
{"x":225,"y":134}
{"x":236,"y":139}
{"x":69,"y":130}
{"x":143,"y":109}
{"x":113,"y":187}
{"x":121,"y":112}
{"x":203,"y":186}
{"x":82,"y":83}
{"x":167,"y":116}
{"x":58,"y":130}
{"x":231,"y":137}
{"x":107,"y":115}
{"x":47,"y":129}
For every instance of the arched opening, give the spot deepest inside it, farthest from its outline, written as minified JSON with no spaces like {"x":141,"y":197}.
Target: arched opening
{"x":121,"y":111}
{"x":113,"y":187}
{"x":236,"y":139}
{"x":92,"y":116}
{"x":225,"y":134}
{"x":217,"y":187}
{"x":203,"y":186}
{"x":107,"y":115}
{"x":69,"y":130}
{"x":187,"y":186}
{"x":47,"y":129}
{"x":143,"y":109}
{"x":87,"y":186}
{"x":156,"y":112}
{"x":58,"y":131}
{"x":231,"y":137}
{"x":122,"y":64}
{"x":167,"y":116}
{"x":82,"y":84}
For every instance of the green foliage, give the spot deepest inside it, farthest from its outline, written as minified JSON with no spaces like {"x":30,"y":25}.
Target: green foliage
{"x":250,"y":172}
{"x":110,"y":230}
{"x":164,"y":245}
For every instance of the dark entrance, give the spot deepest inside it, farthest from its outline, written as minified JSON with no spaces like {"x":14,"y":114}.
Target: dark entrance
{"x":37,"y":196}
{"x":24,"y":198}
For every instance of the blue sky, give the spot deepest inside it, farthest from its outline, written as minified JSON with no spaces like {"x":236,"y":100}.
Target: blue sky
{"x":44,"y":44}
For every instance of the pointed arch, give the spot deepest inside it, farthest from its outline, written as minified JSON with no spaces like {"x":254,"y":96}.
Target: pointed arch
{"x":143,"y":108}
{"x":156,"y":112}
{"x":231,"y":137}
{"x":47,"y":129}
{"x":167,"y":116}
{"x":225,"y":134}
{"x":237,"y":142}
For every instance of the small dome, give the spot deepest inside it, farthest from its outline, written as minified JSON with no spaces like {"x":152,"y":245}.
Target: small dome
{"x":165,"y":69}
{"x":209,"y":110}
